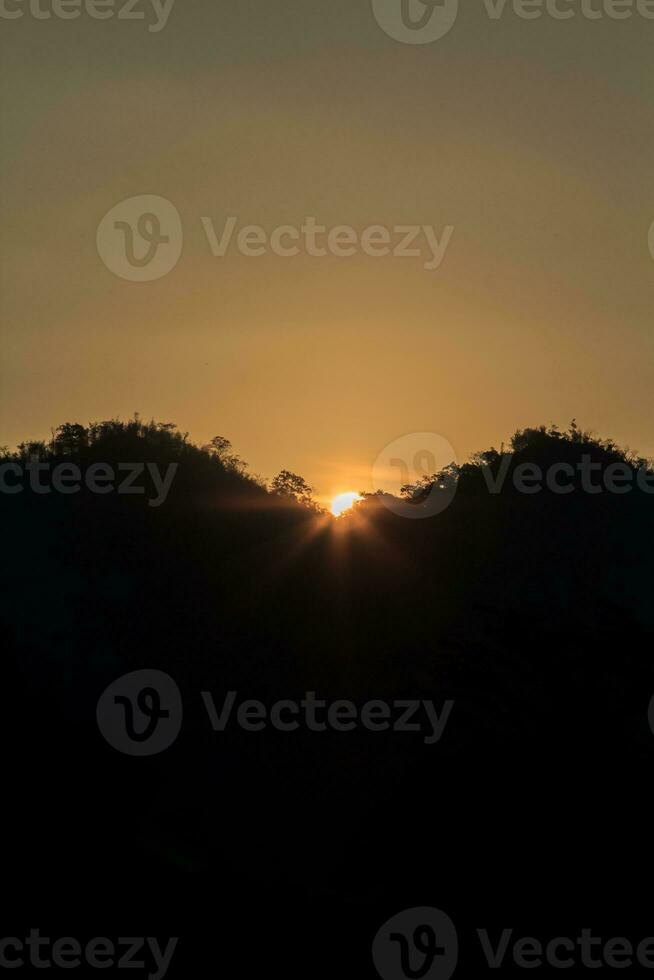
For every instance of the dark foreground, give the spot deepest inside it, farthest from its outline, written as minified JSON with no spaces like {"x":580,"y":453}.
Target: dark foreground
{"x":285,"y":851}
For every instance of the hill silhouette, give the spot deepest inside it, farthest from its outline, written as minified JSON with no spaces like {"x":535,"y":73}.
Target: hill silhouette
{"x":530,"y":611}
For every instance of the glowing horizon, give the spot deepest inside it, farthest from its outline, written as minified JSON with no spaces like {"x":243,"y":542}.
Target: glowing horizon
{"x":343,"y":502}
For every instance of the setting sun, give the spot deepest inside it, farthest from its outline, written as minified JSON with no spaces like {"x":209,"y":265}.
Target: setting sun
{"x":343,"y":502}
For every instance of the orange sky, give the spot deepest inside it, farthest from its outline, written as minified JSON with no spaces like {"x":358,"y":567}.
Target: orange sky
{"x":533,"y":139}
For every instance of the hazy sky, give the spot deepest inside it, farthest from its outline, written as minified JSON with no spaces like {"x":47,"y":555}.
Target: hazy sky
{"x":532,"y":138}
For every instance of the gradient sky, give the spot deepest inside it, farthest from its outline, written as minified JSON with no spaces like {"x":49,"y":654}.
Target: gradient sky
{"x":534,"y":139}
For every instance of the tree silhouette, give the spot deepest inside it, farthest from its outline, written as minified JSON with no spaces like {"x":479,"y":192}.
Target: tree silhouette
{"x":221,"y":449}
{"x":288,"y":484}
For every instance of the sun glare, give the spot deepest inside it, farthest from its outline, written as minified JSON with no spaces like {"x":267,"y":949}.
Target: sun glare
{"x":343,"y":502}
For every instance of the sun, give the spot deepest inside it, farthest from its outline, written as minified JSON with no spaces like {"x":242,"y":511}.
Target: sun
{"x":343,"y":502}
